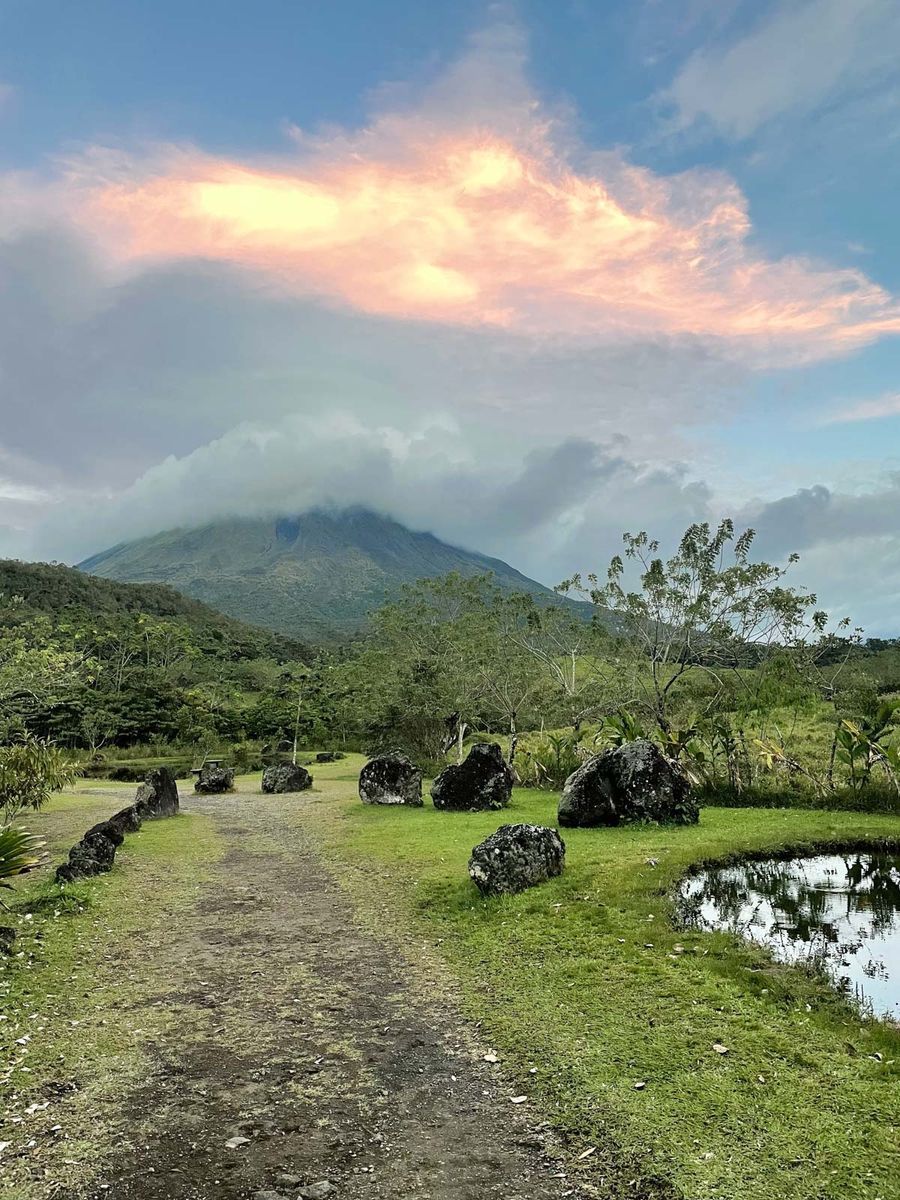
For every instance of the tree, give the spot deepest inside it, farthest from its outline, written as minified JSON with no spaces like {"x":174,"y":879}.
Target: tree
{"x":30,"y":770}
{"x":575,"y":657}
{"x":414,"y":674}
{"x":708,"y":608}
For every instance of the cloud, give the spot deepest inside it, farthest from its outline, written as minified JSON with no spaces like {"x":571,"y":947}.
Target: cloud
{"x":849,"y":546}
{"x":801,"y":55}
{"x":551,"y":511}
{"x":817,"y":515}
{"x":473,"y":205}
{"x":103,"y":375}
{"x":545,"y":509}
{"x":415,"y":316}
{"x":887,"y":405}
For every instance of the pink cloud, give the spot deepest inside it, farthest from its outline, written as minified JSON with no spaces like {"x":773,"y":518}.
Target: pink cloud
{"x":415,"y":219}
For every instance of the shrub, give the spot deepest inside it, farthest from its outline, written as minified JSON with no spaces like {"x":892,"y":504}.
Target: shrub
{"x":20,"y":852}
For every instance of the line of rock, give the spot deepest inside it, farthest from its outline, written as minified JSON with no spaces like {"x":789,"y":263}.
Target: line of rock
{"x":156,"y":797}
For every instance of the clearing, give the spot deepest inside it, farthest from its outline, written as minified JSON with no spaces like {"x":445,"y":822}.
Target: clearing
{"x":320,"y":978}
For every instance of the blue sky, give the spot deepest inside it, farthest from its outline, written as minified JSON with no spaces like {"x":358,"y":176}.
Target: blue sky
{"x":764,"y":133}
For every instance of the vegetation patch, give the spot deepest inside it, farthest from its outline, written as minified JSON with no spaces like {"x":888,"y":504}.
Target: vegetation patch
{"x":692,"y":1055}
{"x":70,"y":1035}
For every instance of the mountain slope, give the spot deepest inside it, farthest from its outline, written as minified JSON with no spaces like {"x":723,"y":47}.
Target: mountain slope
{"x":315,"y":577}
{"x":29,"y":591}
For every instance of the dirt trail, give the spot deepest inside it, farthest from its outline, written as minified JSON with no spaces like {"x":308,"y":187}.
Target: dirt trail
{"x":295,"y":1029}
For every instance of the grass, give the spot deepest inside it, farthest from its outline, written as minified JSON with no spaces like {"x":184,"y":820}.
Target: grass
{"x":586,"y":980}
{"x":66,"y":1034}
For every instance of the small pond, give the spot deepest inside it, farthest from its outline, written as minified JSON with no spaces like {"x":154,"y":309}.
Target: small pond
{"x":842,"y":910}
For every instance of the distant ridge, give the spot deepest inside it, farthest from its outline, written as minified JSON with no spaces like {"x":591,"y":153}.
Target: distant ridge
{"x":63,"y":593}
{"x":315,"y":577}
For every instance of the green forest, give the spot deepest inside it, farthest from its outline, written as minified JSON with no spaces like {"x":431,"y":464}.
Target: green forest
{"x":733,"y":670}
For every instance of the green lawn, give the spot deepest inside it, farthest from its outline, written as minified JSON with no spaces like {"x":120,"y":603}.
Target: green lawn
{"x":586,"y":979}
{"x":67,"y":1029}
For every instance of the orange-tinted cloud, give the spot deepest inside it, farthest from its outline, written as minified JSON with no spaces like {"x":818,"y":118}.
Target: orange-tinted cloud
{"x":476,"y":228}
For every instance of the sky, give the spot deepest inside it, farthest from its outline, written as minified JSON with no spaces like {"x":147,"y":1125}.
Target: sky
{"x":528,"y":275}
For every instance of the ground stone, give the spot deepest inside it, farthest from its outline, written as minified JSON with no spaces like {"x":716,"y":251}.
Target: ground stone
{"x":214,"y":780}
{"x":286,"y":777}
{"x":390,"y":779}
{"x":108,"y":829}
{"x":634,"y":782}
{"x":93,"y":855}
{"x":157,"y":796}
{"x":128,"y":820}
{"x":483,"y":781}
{"x":516,"y":857}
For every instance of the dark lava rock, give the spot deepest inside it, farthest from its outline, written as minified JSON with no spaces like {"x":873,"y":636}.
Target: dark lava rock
{"x":128,"y":820}
{"x":516,"y":857}
{"x":108,"y":829}
{"x":390,"y":779}
{"x":286,"y":777}
{"x":163,"y":783}
{"x":483,"y":781}
{"x":634,"y":782}
{"x":8,"y":935}
{"x":93,"y":855}
{"x":157,"y":796}
{"x":213,"y":780}
{"x":330,"y":756}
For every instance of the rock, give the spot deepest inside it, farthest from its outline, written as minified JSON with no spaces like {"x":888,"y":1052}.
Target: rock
{"x":286,"y":777}
{"x":157,"y":797}
{"x":214,"y":779}
{"x":268,"y":1194}
{"x":8,"y":936}
{"x":326,"y":756}
{"x":634,"y":782}
{"x":516,"y":857}
{"x":127,"y":819}
{"x":483,"y":781}
{"x":109,"y":830}
{"x":163,"y":783}
{"x":317,"y":1191}
{"x":390,"y":779}
{"x":93,"y":855}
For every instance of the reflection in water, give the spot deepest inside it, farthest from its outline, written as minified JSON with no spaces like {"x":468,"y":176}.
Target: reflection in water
{"x":840,"y":909}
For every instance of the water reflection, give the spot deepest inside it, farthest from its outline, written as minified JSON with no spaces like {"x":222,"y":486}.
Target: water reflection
{"x":840,"y":909}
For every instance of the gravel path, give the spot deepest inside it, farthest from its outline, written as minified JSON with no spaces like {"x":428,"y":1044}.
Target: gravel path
{"x":304,"y":1057}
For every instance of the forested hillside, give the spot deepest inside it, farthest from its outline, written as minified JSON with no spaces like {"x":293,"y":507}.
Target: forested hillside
{"x":92,"y":662}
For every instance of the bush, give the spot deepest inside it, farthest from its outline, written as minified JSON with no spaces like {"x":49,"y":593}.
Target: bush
{"x":875,"y":798}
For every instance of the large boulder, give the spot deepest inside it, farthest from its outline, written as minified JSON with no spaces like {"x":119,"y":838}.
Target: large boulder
{"x":128,"y":820}
{"x":391,"y":779}
{"x":214,"y":779}
{"x":286,"y":777}
{"x":516,"y":857}
{"x":483,"y":781}
{"x":94,"y":854}
{"x":157,"y":796}
{"x":634,"y":782}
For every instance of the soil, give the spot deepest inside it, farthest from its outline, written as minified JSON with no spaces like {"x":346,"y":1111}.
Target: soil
{"x":304,"y":1050}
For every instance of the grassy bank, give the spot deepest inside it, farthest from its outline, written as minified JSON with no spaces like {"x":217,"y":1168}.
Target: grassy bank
{"x":586,"y":980}
{"x":68,"y":1033}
